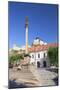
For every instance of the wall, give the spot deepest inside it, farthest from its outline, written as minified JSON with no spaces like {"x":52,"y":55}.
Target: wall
{"x":34,"y":58}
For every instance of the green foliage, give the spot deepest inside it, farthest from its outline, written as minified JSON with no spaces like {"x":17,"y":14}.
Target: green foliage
{"x":16,"y":58}
{"x":11,"y":59}
{"x":25,"y":55}
{"x":53,"y":55}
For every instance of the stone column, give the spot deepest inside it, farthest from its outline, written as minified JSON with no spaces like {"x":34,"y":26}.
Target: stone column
{"x":26,"y":26}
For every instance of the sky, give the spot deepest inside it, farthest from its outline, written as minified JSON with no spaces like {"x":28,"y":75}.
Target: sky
{"x":43,"y":22}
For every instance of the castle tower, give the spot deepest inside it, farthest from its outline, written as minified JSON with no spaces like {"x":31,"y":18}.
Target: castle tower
{"x":26,"y":27}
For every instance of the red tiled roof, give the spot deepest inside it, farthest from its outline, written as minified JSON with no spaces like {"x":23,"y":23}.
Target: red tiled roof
{"x":37,"y":48}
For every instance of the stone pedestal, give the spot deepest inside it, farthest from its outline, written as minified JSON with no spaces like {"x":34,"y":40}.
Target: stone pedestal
{"x":27,"y":59}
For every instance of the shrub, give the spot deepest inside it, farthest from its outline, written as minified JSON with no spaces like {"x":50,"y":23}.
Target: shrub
{"x":53,"y":55}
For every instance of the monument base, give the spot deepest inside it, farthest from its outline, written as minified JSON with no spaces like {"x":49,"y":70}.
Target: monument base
{"x":27,"y":59}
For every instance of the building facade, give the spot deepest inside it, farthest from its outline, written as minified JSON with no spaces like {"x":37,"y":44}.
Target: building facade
{"x":40,"y":59}
{"x":37,"y":51}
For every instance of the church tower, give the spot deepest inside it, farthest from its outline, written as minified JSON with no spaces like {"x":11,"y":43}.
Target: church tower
{"x":26,"y":27}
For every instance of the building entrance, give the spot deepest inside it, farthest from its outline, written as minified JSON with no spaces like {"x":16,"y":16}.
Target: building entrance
{"x":44,"y":64}
{"x":38,"y":64}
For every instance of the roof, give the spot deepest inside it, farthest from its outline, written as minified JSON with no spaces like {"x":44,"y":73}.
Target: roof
{"x":37,"y":48}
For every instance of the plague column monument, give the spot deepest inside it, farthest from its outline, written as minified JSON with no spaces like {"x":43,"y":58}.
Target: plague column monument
{"x":26,"y":27}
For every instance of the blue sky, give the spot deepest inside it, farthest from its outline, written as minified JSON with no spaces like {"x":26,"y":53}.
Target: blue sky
{"x":43,"y":22}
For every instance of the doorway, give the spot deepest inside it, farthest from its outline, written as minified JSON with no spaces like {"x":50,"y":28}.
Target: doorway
{"x":38,"y":64}
{"x":44,"y":64}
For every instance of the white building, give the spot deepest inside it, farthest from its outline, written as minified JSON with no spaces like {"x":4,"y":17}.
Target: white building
{"x":38,"y":53}
{"x":39,"y":58}
{"x":39,"y":41}
{"x":17,"y":49}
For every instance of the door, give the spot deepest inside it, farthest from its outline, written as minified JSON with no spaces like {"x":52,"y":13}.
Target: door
{"x":44,"y":63}
{"x":38,"y":64}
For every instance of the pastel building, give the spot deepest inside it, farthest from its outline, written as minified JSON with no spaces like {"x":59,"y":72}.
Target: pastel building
{"x":38,"y":53}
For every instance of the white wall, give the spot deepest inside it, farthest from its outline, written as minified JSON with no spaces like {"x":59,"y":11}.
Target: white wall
{"x":35,"y":54}
{"x":36,"y":41}
{"x":32,"y":59}
{"x":41,"y":59}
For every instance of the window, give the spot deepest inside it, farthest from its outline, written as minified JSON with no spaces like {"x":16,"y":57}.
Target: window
{"x":44,"y":54}
{"x":38,"y":55}
{"x":32,"y":56}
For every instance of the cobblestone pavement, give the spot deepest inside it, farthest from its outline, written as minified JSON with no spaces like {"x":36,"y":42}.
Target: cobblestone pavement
{"x":31,"y":77}
{"x":45,"y":77}
{"x":24,"y":78}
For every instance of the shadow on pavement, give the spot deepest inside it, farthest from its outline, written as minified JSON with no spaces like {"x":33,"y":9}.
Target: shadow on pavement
{"x":52,"y":70}
{"x":56,"y":80}
{"x":14,"y":84}
{"x":56,"y":71}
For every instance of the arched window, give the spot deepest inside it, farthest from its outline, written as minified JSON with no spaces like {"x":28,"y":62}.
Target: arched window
{"x":38,"y":55}
{"x":32,"y":56}
{"x":44,"y":54}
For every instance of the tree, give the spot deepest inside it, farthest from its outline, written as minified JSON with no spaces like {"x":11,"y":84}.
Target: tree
{"x":26,"y":55}
{"x":15,"y":58}
{"x":53,"y":55}
{"x":11,"y":59}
